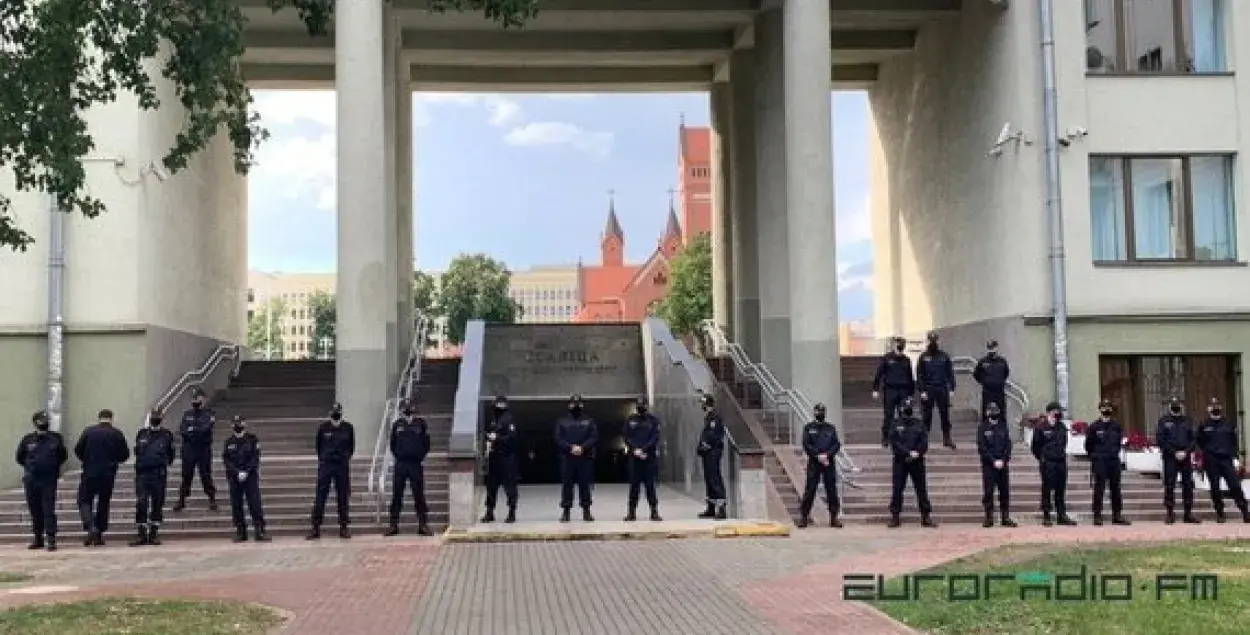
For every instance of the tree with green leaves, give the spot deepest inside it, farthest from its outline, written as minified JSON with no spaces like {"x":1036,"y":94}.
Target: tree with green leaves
{"x":475,"y":287}
{"x":689,"y":299}
{"x":425,"y":299}
{"x":265,"y":329}
{"x":321,"y":305}
{"x":60,"y":58}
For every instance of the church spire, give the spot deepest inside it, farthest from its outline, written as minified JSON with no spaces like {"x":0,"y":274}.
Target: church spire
{"x":612,"y":245}
{"x":673,"y":229}
{"x":612,"y":229}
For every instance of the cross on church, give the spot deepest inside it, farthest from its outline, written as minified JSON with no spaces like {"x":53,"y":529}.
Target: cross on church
{"x":671,"y":194}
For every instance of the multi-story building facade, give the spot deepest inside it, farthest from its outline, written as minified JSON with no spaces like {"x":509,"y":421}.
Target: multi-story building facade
{"x":292,"y":291}
{"x":546,"y":294}
{"x":1152,"y":181}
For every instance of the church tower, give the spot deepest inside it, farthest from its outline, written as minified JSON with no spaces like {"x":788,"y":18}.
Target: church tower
{"x":612,"y":244}
{"x":671,"y":241}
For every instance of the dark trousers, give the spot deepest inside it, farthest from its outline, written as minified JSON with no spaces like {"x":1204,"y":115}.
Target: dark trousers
{"x":713,"y":478}
{"x":995,"y":479}
{"x":914,"y":470}
{"x":95,"y":493}
{"x":1054,"y":486}
{"x":1222,"y":468}
{"x":41,"y":503}
{"x":501,"y":472}
{"x":197,"y":458}
{"x":816,"y":475}
{"x":409,"y":474}
{"x":247,"y":491}
{"x":642,"y":475}
{"x":995,"y":396}
{"x":337,"y":474}
{"x":577,"y":470}
{"x":890,"y":401}
{"x":1172,"y":471}
{"x":1107,"y":475}
{"x":942,"y":399}
{"x":150,"y":498}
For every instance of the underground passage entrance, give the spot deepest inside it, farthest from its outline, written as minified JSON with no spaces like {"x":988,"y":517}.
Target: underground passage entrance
{"x":537,"y":455}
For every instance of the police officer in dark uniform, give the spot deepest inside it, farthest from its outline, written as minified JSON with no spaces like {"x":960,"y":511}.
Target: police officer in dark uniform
{"x":711,"y":450}
{"x":821,"y":445}
{"x":1217,"y":438}
{"x":410,"y":444}
{"x":892,"y":383}
{"x":992,"y":372}
{"x":241,"y":457}
{"x":336,"y":443}
{"x":197,"y":452}
{"x":909,"y":442}
{"x":1177,"y":443}
{"x":935,"y":376}
{"x":101,"y":448}
{"x":41,"y":454}
{"x":154,"y":454}
{"x":1103,"y":442}
{"x":642,"y":445}
{"x":994,"y":447}
{"x":501,"y":461}
{"x":576,"y":438}
{"x":1050,"y":448}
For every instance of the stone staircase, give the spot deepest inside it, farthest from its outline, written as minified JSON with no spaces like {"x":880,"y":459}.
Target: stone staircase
{"x":283,"y":402}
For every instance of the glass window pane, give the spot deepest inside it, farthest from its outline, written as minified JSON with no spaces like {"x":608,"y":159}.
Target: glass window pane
{"x":1158,"y":227}
{"x":1206,"y":35}
{"x":1106,"y":209}
{"x":1100,"y":36}
{"x":1150,"y":35}
{"x":1214,"y":210}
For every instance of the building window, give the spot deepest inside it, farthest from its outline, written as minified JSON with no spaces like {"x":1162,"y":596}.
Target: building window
{"x":1155,"y":36}
{"x":251,"y":295}
{"x":1141,"y":385}
{"x":1162,"y":208}
{"x":700,"y":173}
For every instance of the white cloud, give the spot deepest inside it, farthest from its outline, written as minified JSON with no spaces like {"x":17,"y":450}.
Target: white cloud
{"x":556,"y":133}
{"x":855,"y":222}
{"x":285,"y":107}
{"x":300,"y":167}
{"x":503,"y":112}
{"x":852,"y":281}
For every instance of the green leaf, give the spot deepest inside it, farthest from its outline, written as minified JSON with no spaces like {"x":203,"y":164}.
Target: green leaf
{"x":265,"y":329}
{"x":321,"y":305}
{"x":689,"y":299}
{"x":475,"y":287}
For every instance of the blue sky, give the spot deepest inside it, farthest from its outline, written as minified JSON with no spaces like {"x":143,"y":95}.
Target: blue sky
{"x":524,"y":178}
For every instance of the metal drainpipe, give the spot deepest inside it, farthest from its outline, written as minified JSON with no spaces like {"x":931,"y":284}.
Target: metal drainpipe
{"x":1054,"y":205}
{"x":56,"y":322}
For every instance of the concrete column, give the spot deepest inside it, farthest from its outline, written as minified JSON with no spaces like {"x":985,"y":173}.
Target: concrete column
{"x":770,"y":195}
{"x":363,"y":357}
{"x":809,"y":196}
{"x":391,"y":245}
{"x":403,"y":192}
{"x":746,"y":264}
{"x":722,"y":229}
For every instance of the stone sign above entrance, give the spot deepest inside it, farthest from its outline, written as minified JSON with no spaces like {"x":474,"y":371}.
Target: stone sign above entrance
{"x":553,"y":361}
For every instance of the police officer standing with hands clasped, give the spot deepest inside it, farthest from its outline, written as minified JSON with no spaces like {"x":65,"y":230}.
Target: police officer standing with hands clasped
{"x":101,"y":448}
{"x":1218,"y":440}
{"x":41,"y":454}
{"x":154,"y":454}
{"x":892,"y":383}
{"x":1102,"y":446}
{"x":711,"y":450}
{"x":197,"y":452}
{"x":935,"y":376}
{"x":909,"y":442}
{"x":1177,"y":443}
{"x":821,"y":445}
{"x":410,"y":444}
{"x":576,"y":438}
{"x":642,"y":444}
{"x":992,"y":372}
{"x":336,"y":443}
{"x":1050,"y":448}
{"x":241,"y":457}
{"x":501,"y":461}
{"x":994,"y":447}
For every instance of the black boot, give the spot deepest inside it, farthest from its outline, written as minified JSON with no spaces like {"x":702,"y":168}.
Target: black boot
{"x":180,"y":505}
{"x":392,"y":530}
{"x":1065,"y":520}
{"x":314,"y":533}
{"x":946,"y":441}
{"x":1007,"y":521}
{"x":36,"y":543}
{"x":423,"y":528}
{"x":344,"y":532}
{"x":1046,"y":521}
{"x":630,"y":516}
{"x":1170,"y":518}
{"x":989,"y":518}
{"x":709,"y":512}
{"x":511,"y":515}
{"x":240,"y":535}
{"x":212,"y":503}
{"x":586,"y":517}
{"x":894,"y":521}
{"x":51,"y":542}
{"x":834,"y":521}
{"x":1119,"y":519}
{"x":803,"y":522}
{"x":1190,"y":518}
{"x":154,"y":537}
{"x":564,"y":515}
{"x":927,"y":521}
{"x":1245,"y":515}
{"x":721,"y":514}
{"x":1097,"y":519}
{"x":262,"y":535}
{"x":655,"y":515}
{"x":89,"y":541}
{"x":489,"y":516}
{"x":141,"y":539}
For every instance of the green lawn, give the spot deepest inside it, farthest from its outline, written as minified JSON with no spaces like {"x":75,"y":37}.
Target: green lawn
{"x":9,"y":577}
{"x":1004,"y":612}
{"x":139,"y":617}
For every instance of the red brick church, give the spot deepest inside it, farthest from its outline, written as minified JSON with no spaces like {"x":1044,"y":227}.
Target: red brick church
{"x":615,"y":291}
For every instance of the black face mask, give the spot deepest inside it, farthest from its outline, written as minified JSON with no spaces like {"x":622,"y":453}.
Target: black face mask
{"x":1176,"y":410}
{"x":197,"y":404}
{"x":575,"y":409}
{"x":898,"y":348}
{"x":238,"y":428}
{"x":1217,"y":412}
{"x":642,"y":410}
{"x":500,"y":407}
{"x":820,"y":416}
{"x":335,"y":416}
{"x":907,"y":412}
{"x":1106,"y":412}
{"x":43,"y":426}
{"x":991,"y":353}
{"x":155,"y":422}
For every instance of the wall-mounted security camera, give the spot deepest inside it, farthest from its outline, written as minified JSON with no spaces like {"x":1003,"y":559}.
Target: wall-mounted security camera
{"x":1008,"y":136}
{"x":158,"y":171}
{"x":1072,"y":135}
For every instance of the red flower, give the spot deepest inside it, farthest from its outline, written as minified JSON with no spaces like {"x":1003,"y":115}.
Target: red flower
{"x":1138,"y":442}
{"x":1197,"y":460}
{"x":1080,"y":427}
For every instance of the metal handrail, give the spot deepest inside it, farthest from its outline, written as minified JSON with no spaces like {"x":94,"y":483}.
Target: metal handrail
{"x":782,"y":398}
{"x":381,"y":463}
{"x":197,"y":377}
{"x":965,"y":365}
